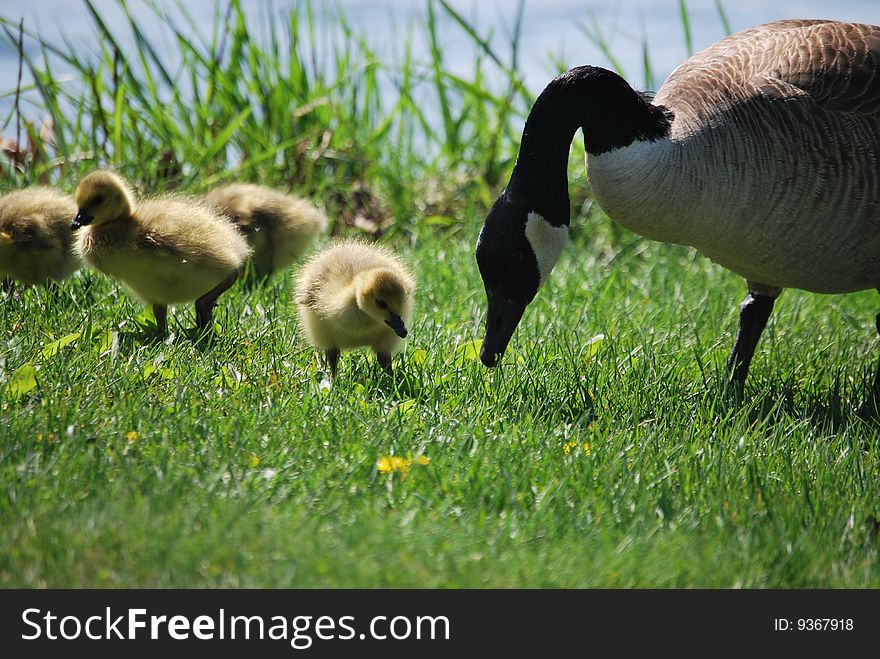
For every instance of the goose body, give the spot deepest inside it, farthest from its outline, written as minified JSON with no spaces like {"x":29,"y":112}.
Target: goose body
{"x":772,"y":163}
{"x":35,"y":236}
{"x":279,"y":227}
{"x":353,"y":295}
{"x":166,"y":250}
{"x":762,"y":152}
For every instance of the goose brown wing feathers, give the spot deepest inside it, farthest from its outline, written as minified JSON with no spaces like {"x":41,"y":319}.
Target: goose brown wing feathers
{"x":836,"y":64}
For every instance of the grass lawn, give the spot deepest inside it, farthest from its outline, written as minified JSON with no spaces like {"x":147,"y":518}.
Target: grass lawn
{"x":599,"y":454}
{"x":580,"y":462}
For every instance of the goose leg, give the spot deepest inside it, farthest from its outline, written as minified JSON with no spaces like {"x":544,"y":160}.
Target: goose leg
{"x":332,"y":360}
{"x":384,"y":360}
{"x":875,"y":388}
{"x":870,"y":408}
{"x":160,"y":311}
{"x":205,"y":304}
{"x":753,"y":314}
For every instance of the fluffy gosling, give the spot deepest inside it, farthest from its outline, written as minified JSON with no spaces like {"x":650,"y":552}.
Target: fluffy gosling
{"x":351,"y":295}
{"x":167,"y":250}
{"x":35,"y":237}
{"x":278,"y":226}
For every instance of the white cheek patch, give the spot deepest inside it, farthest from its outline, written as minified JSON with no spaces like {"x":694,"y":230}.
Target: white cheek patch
{"x":547,"y":242}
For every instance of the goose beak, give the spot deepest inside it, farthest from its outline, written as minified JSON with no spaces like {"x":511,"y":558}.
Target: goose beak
{"x":396,"y":323}
{"x":501,"y":320}
{"x":82,"y":219}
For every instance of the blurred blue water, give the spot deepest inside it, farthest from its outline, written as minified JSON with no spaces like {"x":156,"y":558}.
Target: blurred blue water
{"x":552,"y":29}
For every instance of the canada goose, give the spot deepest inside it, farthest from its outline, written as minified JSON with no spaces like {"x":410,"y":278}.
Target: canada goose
{"x":278,"y":226}
{"x":167,"y":250}
{"x":352,"y":294}
{"x":761,"y":151}
{"x":35,"y":236}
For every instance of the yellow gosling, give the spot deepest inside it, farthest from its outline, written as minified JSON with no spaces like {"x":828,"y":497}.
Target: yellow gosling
{"x":167,"y":250}
{"x":35,"y":236}
{"x":352,"y":295}
{"x":279,"y":227}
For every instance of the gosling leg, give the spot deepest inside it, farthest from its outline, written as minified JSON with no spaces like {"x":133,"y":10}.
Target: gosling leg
{"x":332,"y":360}
{"x":254,"y":278}
{"x":53,"y":290}
{"x":753,"y":314}
{"x":205,"y":304}
{"x":262,"y":267}
{"x":160,"y":311}
{"x":384,"y":360}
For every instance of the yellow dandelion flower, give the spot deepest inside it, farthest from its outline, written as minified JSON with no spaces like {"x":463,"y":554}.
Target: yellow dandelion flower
{"x":132,"y":435}
{"x":587,"y":448}
{"x":566,"y":448}
{"x":388,"y":464}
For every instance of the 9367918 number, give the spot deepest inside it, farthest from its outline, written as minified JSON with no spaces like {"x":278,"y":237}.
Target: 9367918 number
{"x":813,"y":624}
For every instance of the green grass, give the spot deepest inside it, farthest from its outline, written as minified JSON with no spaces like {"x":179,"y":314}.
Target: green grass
{"x":127,"y":462}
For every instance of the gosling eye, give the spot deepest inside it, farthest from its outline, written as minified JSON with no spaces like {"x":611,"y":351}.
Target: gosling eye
{"x":381,"y":304}
{"x":97,"y":201}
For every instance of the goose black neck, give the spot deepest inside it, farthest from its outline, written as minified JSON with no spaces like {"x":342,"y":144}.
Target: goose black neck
{"x":610,"y":112}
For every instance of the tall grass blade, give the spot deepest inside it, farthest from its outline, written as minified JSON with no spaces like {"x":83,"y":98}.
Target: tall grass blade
{"x":647,"y":69}
{"x":594,"y":34}
{"x":686,"y":26}
{"x":221,"y":141}
{"x":725,"y":23}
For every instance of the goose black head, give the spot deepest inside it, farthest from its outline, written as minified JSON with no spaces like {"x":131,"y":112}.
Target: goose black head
{"x":516,"y":250}
{"x":527,"y":227}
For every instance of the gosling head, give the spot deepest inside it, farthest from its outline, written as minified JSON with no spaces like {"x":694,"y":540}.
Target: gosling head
{"x":516,"y":250}
{"x":384,"y":296}
{"x":102,"y":197}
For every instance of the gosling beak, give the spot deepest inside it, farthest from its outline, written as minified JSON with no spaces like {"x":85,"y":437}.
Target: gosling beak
{"x":501,"y":320}
{"x":82,"y":219}
{"x":396,"y":323}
